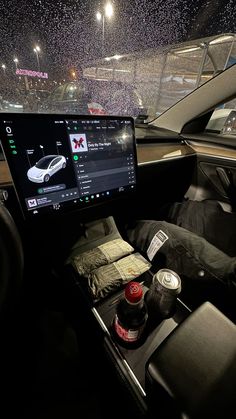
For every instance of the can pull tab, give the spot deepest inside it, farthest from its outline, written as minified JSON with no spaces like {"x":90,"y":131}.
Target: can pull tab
{"x":168,"y":277}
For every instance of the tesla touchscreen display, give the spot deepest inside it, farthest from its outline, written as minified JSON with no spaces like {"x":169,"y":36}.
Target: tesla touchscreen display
{"x":60,"y":161}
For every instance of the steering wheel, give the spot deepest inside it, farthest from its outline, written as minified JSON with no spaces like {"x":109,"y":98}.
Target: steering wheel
{"x":11,"y":254}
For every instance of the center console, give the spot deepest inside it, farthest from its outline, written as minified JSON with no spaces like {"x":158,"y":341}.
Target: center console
{"x":134,"y":360}
{"x":185,"y":364}
{"x":130,"y":364}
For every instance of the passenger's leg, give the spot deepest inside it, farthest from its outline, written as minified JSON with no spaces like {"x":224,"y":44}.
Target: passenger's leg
{"x":201,"y":265}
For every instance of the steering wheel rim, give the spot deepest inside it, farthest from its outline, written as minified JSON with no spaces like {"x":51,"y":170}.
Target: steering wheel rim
{"x":11,"y":257}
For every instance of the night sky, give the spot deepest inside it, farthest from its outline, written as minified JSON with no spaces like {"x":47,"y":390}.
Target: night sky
{"x":68,"y":33}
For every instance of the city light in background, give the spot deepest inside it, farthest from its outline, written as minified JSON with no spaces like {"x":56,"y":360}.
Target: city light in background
{"x":16,"y":61}
{"x":4,"y":69}
{"x":73,"y":74}
{"x":108,"y":10}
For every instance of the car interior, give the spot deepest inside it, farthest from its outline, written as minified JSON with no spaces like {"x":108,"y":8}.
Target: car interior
{"x":59,"y":355}
{"x":118,"y":209}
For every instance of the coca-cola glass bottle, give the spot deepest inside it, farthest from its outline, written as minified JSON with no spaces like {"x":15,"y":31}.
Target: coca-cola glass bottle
{"x":131,"y":316}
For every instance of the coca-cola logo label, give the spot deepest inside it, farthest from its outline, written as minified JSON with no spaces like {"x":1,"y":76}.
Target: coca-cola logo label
{"x":127,"y":335}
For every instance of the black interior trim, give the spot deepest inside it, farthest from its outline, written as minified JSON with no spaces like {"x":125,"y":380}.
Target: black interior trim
{"x":11,"y":256}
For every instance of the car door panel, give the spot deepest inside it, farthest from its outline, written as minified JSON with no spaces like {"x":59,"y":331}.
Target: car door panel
{"x":220,"y":175}
{"x":215,"y":174}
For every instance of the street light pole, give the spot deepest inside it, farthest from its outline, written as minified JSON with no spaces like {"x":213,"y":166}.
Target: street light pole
{"x":103,"y":32}
{"x":100,"y":17}
{"x":108,"y":12}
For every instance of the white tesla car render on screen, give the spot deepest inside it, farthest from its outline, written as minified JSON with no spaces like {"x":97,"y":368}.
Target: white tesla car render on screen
{"x":45,"y":168}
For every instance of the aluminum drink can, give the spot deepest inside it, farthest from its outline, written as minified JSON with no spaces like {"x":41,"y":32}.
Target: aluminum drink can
{"x":162,"y":294}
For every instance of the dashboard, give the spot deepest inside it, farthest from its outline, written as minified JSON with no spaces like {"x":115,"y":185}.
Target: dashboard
{"x":60,"y":162}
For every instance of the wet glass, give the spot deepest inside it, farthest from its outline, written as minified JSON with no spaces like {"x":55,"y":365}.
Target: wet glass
{"x":124,"y":58}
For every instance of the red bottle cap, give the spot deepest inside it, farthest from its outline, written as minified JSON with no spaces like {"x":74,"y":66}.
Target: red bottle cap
{"x":133,"y":292}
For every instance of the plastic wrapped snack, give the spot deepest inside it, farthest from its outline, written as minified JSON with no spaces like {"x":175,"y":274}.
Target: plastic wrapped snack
{"x":108,"y":278}
{"x":101,"y":255}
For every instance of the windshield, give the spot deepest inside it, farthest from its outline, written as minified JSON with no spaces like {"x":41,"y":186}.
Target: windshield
{"x":134,"y":58}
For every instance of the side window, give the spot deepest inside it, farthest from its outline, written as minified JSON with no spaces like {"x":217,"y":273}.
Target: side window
{"x":223,"y":119}
{"x":230,"y":105}
{"x":54,"y":162}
